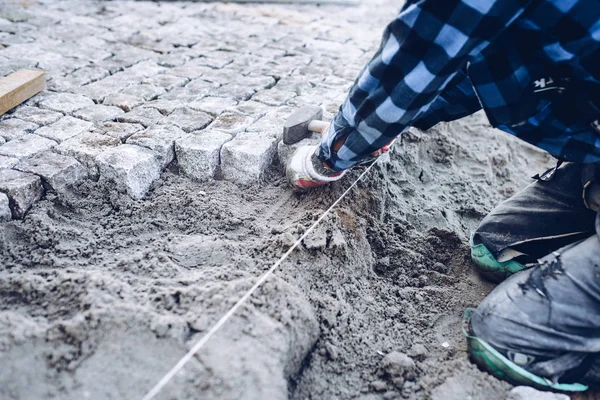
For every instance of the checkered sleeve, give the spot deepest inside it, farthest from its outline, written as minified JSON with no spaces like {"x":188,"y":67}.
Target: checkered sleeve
{"x":422,"y":50}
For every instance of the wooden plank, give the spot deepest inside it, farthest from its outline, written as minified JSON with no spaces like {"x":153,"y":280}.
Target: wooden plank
{"x":20,"y":86}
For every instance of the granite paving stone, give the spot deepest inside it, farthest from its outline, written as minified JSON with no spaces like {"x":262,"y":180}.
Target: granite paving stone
{"x":189,"y":120}
{"x":66,"y":103}
{"x":167,"y":81}
{"x":8,"y":162}
{"x":14,"y":128}
{"x":231,"y":123}
{"x":160,"y":139}
{"x":118,"y":130}
{"x":132,"y":168}
{"x":5,"y":213}
{"x":198,"y":156}
{"x":65,"y":128}
{"x":26,"y":146}
{"x":142,"y":115}
{"x":145,"y":91}
{"x":22,"y":189}
{"x":85,"y":147}
{"x":58,"y":172}
{"x":37,"y":115}
{"x":246,"y":158}
{"x":124,"y":101}
{"x":98,"y":113}
{"x":212,"y":105}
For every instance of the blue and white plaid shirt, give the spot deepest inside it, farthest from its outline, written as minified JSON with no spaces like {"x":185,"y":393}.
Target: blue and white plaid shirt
{"x":532,"y":65}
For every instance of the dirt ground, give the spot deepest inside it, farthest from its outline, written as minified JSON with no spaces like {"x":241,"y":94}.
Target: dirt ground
{"x":100,"y":295}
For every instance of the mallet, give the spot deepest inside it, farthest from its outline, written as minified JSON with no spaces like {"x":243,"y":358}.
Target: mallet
{"x":302,"y":122}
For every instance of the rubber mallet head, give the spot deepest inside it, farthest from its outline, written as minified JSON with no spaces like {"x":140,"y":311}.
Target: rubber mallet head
{"x":296,"y":127}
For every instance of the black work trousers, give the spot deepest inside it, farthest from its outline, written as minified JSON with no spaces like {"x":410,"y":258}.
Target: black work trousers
{"x":546,"y":318}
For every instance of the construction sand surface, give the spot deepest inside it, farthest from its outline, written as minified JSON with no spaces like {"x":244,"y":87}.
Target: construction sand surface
{"x":100,"y":295}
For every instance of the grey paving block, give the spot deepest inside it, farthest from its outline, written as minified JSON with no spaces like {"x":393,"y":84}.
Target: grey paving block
{"x":221,"y":76}
{"x":201,"y":88}
{"x":198,"y":156}
{"x":118,"y":130}
{"x":167,"y":81}
{"x":147,"y":68}
{"x":160,"y":139}
{"x":274,"y":97}
{"x":124,"y":101}
{"x":5,"y":213}
{"x":98,"y":113}
{"x":8,"y":162}
{"x":182,"y":95}
{"x":58,"y":172}
{"x":246,"y":158}
{"x":189,"y":120}
{"x":37,"y":115}
{"x":190,"y":70}
{"x":26,"y":146}
{"x":231,"y":123}
{"x":165,"y":107}
{"x":132,"y":168}
{"x":250,"y":107}
{"x":145,"y":116}
{"x":65,"y":128}
{"x":65,"y":103}
{"x":85,"y":147}
{"x":14,"y":128}
{"x":213,"y":105}
{"x":144,"y":91}
{"x":87,"y":75}
{"x":23,"y":190}
{"x":272,"y":122}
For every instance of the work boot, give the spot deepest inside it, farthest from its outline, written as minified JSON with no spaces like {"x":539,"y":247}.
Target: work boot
{"x":305,"y":171}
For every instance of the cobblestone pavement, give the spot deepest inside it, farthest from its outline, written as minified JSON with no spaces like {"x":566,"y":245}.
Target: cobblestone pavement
{"x":132,"y":86}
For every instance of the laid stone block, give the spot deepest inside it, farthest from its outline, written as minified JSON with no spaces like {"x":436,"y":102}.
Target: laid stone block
{"x":124,"y":101}
{"x":198,"y":156}
{"x":190,"y":70}
{"x":37,"y":115}
{"x":231,"y":123}
{"x":143,"y":115}
{"x":14,"y":128}
{"x":160,"y":139}
{"x":272,"y":122}
{"x":212,"y":105}
{"x":132,"y":168}
{"x":65,"y":128}
{"x":165,"y":107}
{"x":247,"y":156}
{"x":144,"y":91}
{"x":85,"y":147}
{"x":22,"y":189}
{"x":66,"y":103}
{"x":167,"y":81}
{"x":8,"y":162}
{"x":26,"y":146}
{"x":200,"y":88}
{"x":274,"y":97}
{"x":189,"y":120}
{"x":118,"y":130}
{"x":98,"y":113}
{"x":58,"y":172}
{"x":5,"y":214}
{"x":252,"y":108}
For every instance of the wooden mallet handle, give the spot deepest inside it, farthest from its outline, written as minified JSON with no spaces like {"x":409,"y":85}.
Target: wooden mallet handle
{"x":317,"y":126}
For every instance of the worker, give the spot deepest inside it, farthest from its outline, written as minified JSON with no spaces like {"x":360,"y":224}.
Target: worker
{"x":534,"y":68}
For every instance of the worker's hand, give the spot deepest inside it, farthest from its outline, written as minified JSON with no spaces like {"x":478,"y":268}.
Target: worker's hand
{"x":305,"y":171}
{"x":375,"y":155}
